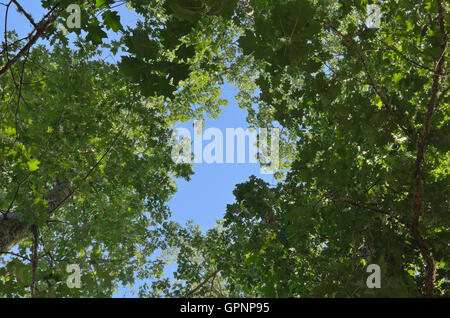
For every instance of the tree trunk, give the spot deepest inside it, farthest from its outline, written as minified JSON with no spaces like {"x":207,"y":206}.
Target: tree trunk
{"x":13,"y":230}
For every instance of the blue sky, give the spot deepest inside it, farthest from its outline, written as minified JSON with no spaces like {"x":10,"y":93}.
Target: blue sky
{"x":204,"y":198}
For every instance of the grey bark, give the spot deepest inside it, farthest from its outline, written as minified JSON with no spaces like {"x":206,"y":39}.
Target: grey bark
{"x":13,"y":229}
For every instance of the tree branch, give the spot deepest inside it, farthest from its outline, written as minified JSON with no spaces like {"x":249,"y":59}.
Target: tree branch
{"x":406,"y":58}
{"x":72,"y":191}
{"x":34,"y":259}
{"x":22,"y":10}
{"x":190,"y":293}
{"x":40,"y":28}
{"x":16,"y":255}
{"x":374,"y":86}
{"x":418,"y":209}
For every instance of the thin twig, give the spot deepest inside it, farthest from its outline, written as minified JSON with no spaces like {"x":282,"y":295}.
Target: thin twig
{"x":16,"y":255}
{"x":201,"y":284}
{"x":22,"y":10}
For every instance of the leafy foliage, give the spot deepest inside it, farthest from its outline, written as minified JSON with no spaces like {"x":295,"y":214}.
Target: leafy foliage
{"x":359,"y":104}
{"x":85,"y":144}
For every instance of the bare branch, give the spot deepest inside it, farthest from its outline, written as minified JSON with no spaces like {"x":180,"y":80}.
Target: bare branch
{"x":16,"y":255}
{"x":46,"y":21}
{"x":22,"y":10}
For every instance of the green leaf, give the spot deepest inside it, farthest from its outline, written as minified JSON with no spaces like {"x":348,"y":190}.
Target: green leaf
{"x":100,"y":3}
{"x":95,"y":32}
{"x":33,"y":164}
{"x":112,"y":20}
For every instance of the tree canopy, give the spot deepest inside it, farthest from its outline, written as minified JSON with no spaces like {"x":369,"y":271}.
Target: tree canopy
{"x":85,"y":145}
